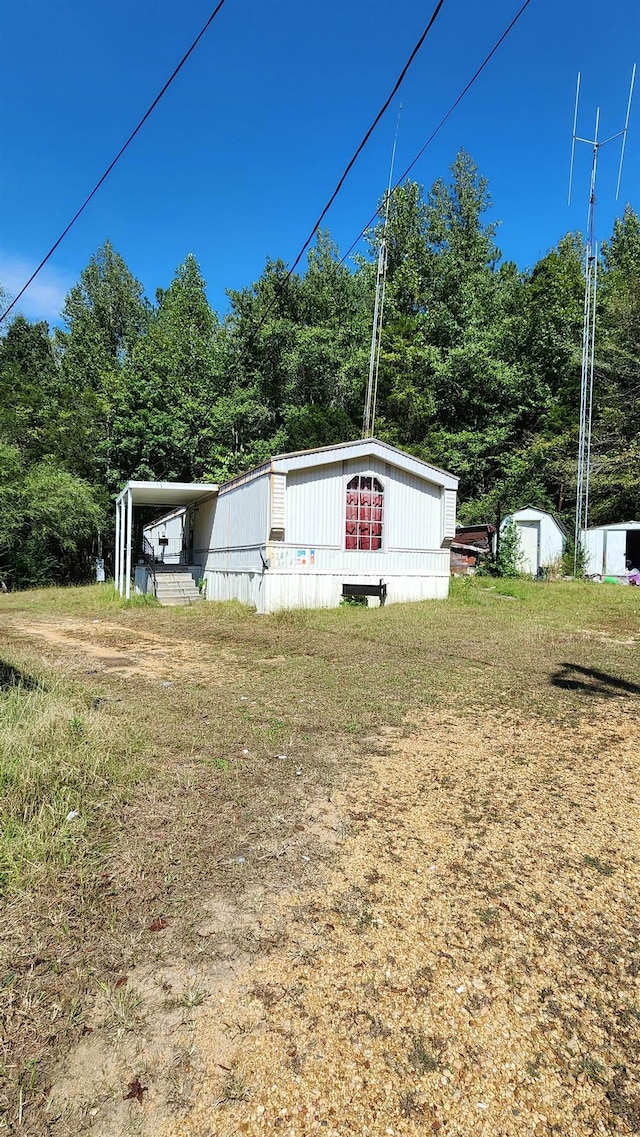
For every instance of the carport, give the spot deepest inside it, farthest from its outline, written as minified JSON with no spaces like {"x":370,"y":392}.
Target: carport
{"x":164,"y":495}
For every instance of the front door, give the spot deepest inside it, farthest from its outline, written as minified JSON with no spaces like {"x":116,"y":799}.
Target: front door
{"x":529,"y":532}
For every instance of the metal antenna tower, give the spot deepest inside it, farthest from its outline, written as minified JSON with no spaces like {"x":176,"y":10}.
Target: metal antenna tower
{"x":589,"y":313}
{"x":369,"y":417}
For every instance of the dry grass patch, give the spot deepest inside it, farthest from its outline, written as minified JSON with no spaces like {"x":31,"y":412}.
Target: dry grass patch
{"x":68,"y":768}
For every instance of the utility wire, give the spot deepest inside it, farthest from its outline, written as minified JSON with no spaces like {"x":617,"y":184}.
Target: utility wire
{"x":358,"y":151}
{"x":441,"y":123}
{"x":117,"y":157}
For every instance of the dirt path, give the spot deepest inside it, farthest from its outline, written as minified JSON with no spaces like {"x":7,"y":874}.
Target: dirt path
{"x":471,"y":964}
{"x":127,"y":651}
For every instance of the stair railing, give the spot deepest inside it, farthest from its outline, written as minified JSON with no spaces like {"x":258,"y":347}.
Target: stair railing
{"x":149,"y":558}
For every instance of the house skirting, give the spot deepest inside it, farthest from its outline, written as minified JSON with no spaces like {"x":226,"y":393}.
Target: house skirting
{"x":273,"y":589}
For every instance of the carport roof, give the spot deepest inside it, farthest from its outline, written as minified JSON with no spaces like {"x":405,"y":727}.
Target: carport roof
{"x":167,"y":493}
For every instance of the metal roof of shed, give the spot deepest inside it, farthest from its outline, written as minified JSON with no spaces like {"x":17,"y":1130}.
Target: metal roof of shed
{"x":541,"y":513}
{"x":617,"y":525}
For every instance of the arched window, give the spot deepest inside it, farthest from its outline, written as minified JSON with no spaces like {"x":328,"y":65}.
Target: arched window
{"x":364,"y":517}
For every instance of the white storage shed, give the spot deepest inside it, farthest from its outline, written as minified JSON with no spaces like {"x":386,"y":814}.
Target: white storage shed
{"x":612,"y":550}
{"x":542,"y":538}
{"x":305,"y":529}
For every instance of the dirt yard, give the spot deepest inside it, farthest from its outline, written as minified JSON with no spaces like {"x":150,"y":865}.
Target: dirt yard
{"x":339,"y":912}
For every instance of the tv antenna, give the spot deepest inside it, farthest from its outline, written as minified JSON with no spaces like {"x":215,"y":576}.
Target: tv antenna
{"x":369,"y":417}
{"x":589,"y":311}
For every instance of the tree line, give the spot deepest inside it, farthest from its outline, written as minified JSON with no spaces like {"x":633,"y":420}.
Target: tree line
{"x":479,"y":373}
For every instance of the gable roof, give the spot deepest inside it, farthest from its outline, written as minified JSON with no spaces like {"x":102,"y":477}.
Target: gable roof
{"x":541,"y":513}
{"x":343,"y":452}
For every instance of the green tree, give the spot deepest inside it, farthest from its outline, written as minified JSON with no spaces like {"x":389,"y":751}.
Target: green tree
{"x":105,"y":315}
{"x":454,"y":385}
{"x":292,"y":348}
{"x":48,"y":522}
{"x":30,"y":391}
{"x":164,"y":425}
{"x":463,"y":252}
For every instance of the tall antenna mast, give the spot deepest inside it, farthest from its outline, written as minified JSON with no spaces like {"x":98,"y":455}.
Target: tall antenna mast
{"x":369,"y":417}
{"x":589,"y":314}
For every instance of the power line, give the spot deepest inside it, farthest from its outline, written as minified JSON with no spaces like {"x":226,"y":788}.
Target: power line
{"x":117,"y":157}
{"x":358,"y":151}
{"x":441,"y":123}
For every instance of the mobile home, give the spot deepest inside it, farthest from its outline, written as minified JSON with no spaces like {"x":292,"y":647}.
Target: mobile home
{"x":306,"y":529}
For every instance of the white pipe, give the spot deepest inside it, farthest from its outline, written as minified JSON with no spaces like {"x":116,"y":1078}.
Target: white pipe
{"x":118,"y":539}
{"x":116,"y":559}
{"x":129,"y":539}
{"x":122,"y":545}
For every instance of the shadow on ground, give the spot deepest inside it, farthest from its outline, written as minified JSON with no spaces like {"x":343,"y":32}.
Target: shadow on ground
{"x":572,"y":677}
{"x":11,"y":676}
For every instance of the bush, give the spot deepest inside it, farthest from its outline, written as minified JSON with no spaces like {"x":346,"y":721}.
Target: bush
{"x":574,"y":560}
{"x":508,"y":562}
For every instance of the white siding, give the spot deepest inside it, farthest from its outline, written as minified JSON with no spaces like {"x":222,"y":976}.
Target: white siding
{"x":202,"y":529}
{"x":282,"y":555}
{"x":608,"y":547}
{"x":245,"y":587}
{"x":370,"y":448}
{"x":414,"y":513}
{"x":171,"y":526}
{"x":142,"y":580}
{"x":316,"y":504}
{"x":615,"y":548}
{"x":239,"y":526}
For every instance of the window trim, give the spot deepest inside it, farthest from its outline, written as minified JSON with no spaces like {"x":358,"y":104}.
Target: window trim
{"x":383,"y":522}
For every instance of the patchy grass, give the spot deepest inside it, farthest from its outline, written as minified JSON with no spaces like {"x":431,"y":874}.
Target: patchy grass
{"x":89,"y":600}
{"x":201,"y":748}
{"x":64,"y":769}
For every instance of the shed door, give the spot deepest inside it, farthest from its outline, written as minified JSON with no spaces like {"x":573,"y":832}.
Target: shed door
{"x":529,"y":543}
{"x":615,"y":552}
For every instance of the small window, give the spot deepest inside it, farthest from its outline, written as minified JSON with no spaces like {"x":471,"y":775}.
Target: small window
{"x":365,"y":501}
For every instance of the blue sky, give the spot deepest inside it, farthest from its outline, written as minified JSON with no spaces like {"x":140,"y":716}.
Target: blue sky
{"x":246,"y":146}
